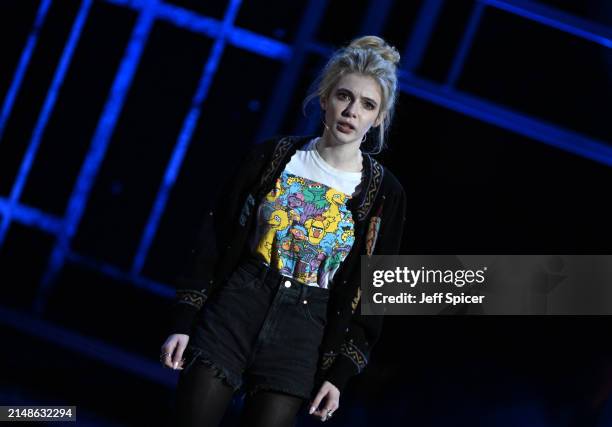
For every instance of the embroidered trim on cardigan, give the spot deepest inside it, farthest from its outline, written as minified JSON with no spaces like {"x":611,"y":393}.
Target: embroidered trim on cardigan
{"x":372,"y":234}
{"x":351,"y":351}
{"x":376,"y":177}
{"x":279,"y":153}
{"x":191,"y":297}
{"x":328,"y":359}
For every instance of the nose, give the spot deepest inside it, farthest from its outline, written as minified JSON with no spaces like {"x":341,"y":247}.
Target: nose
{"x":351,"y":110}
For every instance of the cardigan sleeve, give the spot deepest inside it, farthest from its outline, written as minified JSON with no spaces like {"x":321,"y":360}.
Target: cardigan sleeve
{"x":364,"y":330}
{"x":194,"y":281}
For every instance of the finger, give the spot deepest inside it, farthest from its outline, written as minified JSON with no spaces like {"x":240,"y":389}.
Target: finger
{"x":331,"y":403}
{"x":167,"y":360}
{"x":166,"y":356}
{"x":329,"y":407}
{"x":317,"y":400}
{"x":321,"y":411}
{"x":178,"y":354}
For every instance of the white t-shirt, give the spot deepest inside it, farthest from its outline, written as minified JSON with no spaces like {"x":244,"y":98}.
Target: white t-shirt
{"x":308,"y":163}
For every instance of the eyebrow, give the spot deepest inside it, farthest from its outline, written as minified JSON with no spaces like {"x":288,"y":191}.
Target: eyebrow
{"x":352,"y":94}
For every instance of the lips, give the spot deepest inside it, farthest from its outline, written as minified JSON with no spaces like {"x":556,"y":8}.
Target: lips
{"x":345,"y":127}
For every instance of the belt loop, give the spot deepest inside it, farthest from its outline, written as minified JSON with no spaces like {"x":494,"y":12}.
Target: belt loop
{"x":302,"y":292}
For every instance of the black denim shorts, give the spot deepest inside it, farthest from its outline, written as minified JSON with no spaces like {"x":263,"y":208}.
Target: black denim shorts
{"x":261,"y":330}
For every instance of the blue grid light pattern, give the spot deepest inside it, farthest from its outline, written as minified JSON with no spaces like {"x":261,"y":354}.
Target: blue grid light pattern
{"x":45,"y":113}
{"x":210,"y":27}
{"x":99,"y":145}
{"x":223,"y":31}
{"x":184,"y":139}
{"x":505,"y":118}
{"x":553,"y":18}
{"x":420,"y":34}
{"x":31,"y":217}
{"x":280,"y":98}
{"x":160,"y":289}
{"x":88,"y":346}
{"x":465,"y":44}
{"x":22,"y":66}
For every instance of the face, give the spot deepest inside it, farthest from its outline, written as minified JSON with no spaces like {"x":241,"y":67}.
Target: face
{"x":352,"y":107}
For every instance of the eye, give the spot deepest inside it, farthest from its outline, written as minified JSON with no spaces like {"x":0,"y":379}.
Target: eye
{"x":343,"y":96}
{"x":370,"y":106}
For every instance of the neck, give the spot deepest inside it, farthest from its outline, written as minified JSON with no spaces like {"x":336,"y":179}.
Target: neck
{"x":341,"y":155}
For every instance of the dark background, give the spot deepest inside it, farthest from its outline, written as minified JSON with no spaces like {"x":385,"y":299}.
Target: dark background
{"x":508,"y":153}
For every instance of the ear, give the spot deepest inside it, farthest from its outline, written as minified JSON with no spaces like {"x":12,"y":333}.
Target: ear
{"x":378,"y":120}
{"x":323,"y":104}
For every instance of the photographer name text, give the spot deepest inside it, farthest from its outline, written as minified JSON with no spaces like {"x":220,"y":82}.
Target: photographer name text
{"x":428,"y":277}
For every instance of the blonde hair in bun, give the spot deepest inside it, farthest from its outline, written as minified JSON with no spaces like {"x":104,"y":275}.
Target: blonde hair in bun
{"x":369,"y":56}
{"x":386,"y":51}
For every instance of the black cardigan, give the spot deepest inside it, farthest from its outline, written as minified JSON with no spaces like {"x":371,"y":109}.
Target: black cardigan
{"x":349,"y":336}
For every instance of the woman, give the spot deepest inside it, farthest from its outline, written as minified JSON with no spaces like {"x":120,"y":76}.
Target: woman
{"x":278,"y":262}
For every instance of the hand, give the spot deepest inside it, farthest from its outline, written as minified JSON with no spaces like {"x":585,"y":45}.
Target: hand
{"x":332,"y":401}
{"x":171,"y":355}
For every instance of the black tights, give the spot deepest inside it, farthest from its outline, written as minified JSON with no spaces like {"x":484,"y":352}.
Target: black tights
{"x":202,"y":399}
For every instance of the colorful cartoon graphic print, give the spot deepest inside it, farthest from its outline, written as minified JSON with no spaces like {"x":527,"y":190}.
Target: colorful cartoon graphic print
{"x":304,"y":229}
